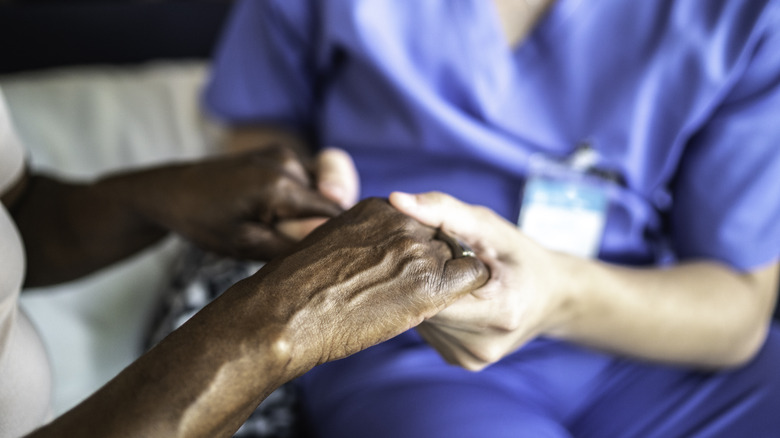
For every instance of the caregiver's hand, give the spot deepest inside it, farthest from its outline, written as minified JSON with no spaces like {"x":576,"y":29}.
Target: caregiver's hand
{"x":521,"y":300}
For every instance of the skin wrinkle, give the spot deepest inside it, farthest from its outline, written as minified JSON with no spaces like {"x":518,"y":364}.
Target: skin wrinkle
{"x":355,"y":301}
{"x":365,"y":272}
{"x":376,"y":267}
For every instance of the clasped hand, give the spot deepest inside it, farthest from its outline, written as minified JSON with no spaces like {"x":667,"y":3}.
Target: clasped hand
{"x":361,"y":278}
{"x":249,"y":205}
{"x":523,"y":299}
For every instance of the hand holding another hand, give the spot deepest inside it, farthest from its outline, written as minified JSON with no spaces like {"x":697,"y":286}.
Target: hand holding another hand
{"x":239,"y":205}
{"x":523,"y":298}
{"x":361,"y":278}
{"x":336,"y":178}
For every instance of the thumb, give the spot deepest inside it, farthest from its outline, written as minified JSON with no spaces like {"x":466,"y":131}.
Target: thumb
{"x":439,"y":210}
{"x":337,"y":177}
{"x":477,"y":226}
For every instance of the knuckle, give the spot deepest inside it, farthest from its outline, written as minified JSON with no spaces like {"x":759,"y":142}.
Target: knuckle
{"x":414,"y":249}
{"x":279,"y":154}
{"x":473,"y":366}
{"x":440,"y":196}
{"x":280,"y":183}
{"x":289,"y":160}
{"x":508,"y":320}
{"x":464,"y":359}
{"x":487,"y":354}
{"x":276,"y":149}
{"x":482,"y":212}
{"x":408,"y":224}
{"x":416,"y":264}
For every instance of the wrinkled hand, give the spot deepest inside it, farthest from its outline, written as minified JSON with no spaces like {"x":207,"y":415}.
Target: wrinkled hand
{"x":359,"y":279}
{"x":233,"y":203}
{"x":519,"y":302}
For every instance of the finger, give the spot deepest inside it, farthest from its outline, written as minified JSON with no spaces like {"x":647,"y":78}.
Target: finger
{"x":431,"y":336}
{"x":439,"y":210}
{"x":290,"y":162}
{"x":457,"y":247}
{"x":433,"y":209}
{"x":337,"y":177}
{"x":297,"y":229}
{"x":450,"y":348}
{"x":462,"y":276}
{"x":257,"y":242}
{"x":470,"y":223}
{"x":465,"y":314}
{"x":302,"y":202}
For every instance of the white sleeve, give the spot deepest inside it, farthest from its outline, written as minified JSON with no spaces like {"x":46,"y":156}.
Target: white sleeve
{"x":25,"y":377}
{"x":11,"y":152}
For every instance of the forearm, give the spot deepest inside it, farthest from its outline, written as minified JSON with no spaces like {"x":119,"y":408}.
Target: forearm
{"x":336,"y":294}
{"x":699,"y":313}
{"x":71,"y":229}
{"x":205,"y":379}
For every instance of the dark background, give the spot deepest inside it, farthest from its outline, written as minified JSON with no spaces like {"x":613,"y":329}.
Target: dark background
{"x":38,"y":34}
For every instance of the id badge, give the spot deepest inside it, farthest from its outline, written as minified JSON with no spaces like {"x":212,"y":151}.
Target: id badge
{"x":564,"y":210}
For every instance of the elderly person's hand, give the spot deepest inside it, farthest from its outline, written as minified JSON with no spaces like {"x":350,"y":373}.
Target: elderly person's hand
{"x":255,"y":204}
{"x":332,"y":171}
{"x":234,"y":204}
{"x":361,"y":278}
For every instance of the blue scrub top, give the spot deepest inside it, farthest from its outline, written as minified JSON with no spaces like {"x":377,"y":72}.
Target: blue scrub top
{"x":680,"y":98}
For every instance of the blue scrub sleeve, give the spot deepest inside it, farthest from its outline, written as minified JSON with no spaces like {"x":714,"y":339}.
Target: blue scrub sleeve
{"x":727,"y":193}
{"x":262,"y":69}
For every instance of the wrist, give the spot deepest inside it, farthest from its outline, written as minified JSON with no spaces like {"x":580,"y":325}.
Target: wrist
{"x":141,"y":196}
{"x":263,"y":325}
{"x":571,"y":276}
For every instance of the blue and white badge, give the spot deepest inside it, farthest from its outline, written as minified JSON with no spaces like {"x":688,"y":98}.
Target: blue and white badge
{"x":564,"y":208}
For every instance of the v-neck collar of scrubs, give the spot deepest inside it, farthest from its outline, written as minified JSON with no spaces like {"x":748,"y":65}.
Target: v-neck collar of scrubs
{"x":503,"y":77}
{"x":556,"y":15}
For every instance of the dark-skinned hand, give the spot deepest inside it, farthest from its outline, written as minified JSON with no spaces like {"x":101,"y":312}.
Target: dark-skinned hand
{"x":359,"y":279}
{"x":251,"y":205}
{"x":233,"y":203}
